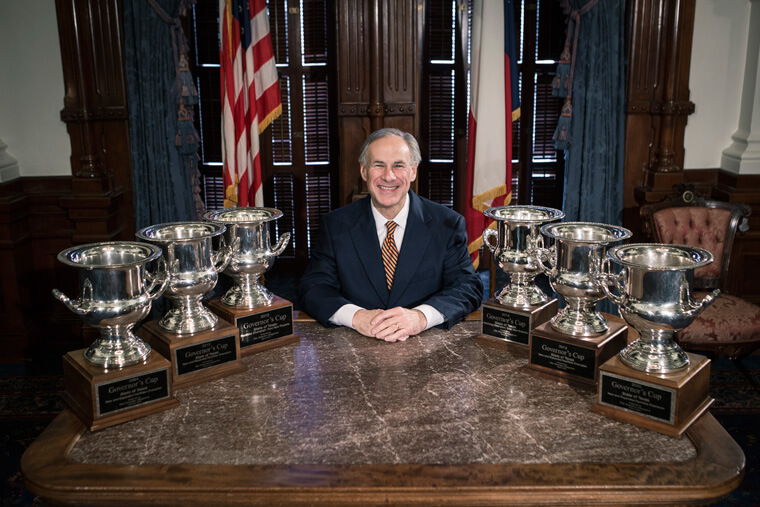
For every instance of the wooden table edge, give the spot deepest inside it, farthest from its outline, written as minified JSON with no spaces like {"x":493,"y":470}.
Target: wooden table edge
{"x":717,"y":469}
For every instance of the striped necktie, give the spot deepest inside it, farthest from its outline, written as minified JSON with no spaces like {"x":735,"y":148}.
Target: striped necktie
{"x":390,"y":253}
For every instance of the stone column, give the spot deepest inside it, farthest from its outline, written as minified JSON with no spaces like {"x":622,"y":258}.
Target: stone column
{"x":8,"y":165}
{"x":743,"y":156}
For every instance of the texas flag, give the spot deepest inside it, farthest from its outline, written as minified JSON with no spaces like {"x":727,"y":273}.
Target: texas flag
{"x":494,"y":105}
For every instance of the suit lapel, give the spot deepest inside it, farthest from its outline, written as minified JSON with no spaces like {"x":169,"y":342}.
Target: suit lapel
{"x":364,"y":236}
{"x":416,"y":238}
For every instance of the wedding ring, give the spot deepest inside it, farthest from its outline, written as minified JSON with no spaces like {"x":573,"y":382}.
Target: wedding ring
{"x":396,"y":326}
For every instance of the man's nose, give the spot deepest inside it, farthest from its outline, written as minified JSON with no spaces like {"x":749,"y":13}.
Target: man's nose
{"x":388,"y":174}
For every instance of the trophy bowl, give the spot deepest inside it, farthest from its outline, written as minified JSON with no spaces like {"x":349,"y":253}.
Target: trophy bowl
{"x":114,"y":296}
{"x":517,"y":232}
{"x":252,"y":255}
{"x":654,"y":294}
{"x":193,"y":269}
{"x":575,"y":261}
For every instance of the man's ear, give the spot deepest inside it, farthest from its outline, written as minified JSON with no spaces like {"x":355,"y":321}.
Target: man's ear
{"x":363,"y":171}
{"x":414,"y":172}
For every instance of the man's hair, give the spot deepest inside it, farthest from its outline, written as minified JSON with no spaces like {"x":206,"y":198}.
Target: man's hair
{"x":411,"y":142}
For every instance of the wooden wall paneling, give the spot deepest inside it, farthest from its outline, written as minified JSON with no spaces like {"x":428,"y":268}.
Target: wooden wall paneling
{"x":15,"y":264}
{"x":96,"y":117}
{"x":33,"y":229}
{"x":402,"y":28}
{"x":378,"y":77}
{"x":354,"y":72}
{"x":401,"y":64}
{"x":657,"y":101}
{"x":56,"y":329}
{"x":645,"y":36}
{"x":39,"y":217}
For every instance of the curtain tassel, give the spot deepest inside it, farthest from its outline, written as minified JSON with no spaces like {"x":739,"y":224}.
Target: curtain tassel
{"x":187,"y":138}
{"x":561,"y":82}
{"x":187,"y":86}
{"x":561,"y":135}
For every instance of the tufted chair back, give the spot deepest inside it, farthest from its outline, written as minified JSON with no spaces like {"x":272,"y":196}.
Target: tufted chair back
{"x":730,"y":326}
{"x":689,"y":219}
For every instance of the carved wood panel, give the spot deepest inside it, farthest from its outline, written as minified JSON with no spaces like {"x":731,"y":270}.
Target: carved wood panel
{"x":96,"y":117}
{"x":378,"y":77}
{"x":657,"y":100}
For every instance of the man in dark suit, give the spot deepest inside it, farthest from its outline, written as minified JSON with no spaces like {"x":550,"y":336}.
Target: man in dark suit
{"x":392,"y":264}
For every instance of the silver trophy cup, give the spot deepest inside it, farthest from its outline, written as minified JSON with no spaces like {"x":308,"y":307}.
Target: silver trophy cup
{"x":252,"y":254}
{"x":193,"y":268}
{"x":574,"y":263}
{"x":518,"y":236}
{"x":116,"y":292}
{"x":654,"y":294}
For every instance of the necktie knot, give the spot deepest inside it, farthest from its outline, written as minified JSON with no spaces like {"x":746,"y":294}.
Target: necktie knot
{"x":389,"y":253}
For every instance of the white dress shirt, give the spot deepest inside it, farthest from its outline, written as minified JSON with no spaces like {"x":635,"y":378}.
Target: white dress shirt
{"x":345,"y":314}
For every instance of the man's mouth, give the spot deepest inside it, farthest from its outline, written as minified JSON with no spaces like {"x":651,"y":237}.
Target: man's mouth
{"x":382,"y":187}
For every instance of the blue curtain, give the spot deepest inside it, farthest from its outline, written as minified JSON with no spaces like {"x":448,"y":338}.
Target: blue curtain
{"x":161,"y":95}
{"x":591,"y":76}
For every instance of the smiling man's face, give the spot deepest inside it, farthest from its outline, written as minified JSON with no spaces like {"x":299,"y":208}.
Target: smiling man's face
{"x":389,"y":174}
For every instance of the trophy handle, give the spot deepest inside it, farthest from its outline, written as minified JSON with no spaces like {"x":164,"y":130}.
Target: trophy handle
{"x":157,"y":281}
{"x":488,"y":233}
{"x":222,"y":257}
{"x":82,"y":305}
{"x":606,"y":278}
{"x":549,"y":254}
{"x":704,"y":303}
{"x":280,"y":246}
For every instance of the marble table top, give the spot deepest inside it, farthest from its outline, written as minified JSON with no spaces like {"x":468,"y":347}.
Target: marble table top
{"x":341,"y":398}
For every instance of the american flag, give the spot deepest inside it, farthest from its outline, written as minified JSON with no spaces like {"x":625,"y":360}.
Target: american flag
{"x":250,"y":96}
{"x":494,"y":105}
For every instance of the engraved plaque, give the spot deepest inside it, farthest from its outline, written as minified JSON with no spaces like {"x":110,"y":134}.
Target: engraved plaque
{"x":642,"y":398}
{"x":199,"y":356}
{"x":666,"y":403}
{"x":261,"y":328}
{"x":132,"y":392}
{"x":266,"y":325}
{"x":572,"y":359}
{"x":507,"y":326}
{"x":103,"y":398}
{"x":563,"y":357}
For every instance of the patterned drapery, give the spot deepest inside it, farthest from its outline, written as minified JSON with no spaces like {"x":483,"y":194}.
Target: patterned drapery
{"x":164,"y":142}
{"x":591,"y":76}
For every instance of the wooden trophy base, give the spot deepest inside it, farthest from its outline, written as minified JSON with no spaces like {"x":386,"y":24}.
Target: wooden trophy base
{"x":197,"y":357}
{"x":665,"y":403}
{"x":510,"y":327}
{"x":571,"y":359}
{"x":262,"y":328}
{"x":103,"y":398}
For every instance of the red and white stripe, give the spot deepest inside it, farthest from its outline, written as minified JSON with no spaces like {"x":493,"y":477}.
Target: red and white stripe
{"x":250,"y":97}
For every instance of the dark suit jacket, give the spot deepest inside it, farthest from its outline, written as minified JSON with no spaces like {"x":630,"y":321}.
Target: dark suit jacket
{"x":433,"y":268}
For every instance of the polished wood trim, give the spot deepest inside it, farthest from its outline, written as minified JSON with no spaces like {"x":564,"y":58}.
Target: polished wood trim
{"x":717,"y":469}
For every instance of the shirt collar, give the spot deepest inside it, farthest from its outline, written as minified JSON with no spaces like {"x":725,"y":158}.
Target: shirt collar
{"x":400,"y":218}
